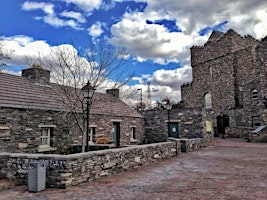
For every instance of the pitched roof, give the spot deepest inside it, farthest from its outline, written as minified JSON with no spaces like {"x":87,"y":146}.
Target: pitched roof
{"x":20,"y":92}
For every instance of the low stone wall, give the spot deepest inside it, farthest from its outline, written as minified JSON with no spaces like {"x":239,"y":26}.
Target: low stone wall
{"x":260,"y":136}
{"x":188,"y":145}
{"x":63,"y":171}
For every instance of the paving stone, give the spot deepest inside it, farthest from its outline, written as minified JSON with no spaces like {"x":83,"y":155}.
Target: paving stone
{"x":231,"y":169}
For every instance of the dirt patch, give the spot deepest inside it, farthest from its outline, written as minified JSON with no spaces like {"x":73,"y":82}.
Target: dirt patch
{"x":6,"y":184}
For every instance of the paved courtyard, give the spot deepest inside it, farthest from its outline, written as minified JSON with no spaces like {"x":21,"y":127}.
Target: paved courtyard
{"x":230,"y":169}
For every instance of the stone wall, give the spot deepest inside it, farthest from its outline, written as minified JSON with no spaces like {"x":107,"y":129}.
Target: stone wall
{"x":262,"y":64}
{"x":188,"y":145}
{"x":189,"y":122}
{"x":258,"y":136}
{"x":229,"y":43}
{"x":63,"y":171}
{"x":227,"y":68}
{"x":20,"y":129}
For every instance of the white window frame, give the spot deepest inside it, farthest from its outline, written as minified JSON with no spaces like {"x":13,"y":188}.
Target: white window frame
{"x":47,"y":137}
{"x":207,"y":100}
{"x":254,"y":94}
{"x":91,"y":127}
{"x":210,"y":71}
{"x":133,"y":134}
{"x":46,"y":147}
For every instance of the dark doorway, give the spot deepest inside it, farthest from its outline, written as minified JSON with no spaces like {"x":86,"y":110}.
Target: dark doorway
{"x":222,"y":123}
{"x":116,"y":133}
{"x":174,"y":130}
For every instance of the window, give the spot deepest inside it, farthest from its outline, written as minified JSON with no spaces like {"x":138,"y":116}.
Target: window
{"x":254,"y":94}
{"x":208,"y":126}
{"x":208,"y":102}
{"x":133,"y":133}
{"x":92,"y":131}
{"x":45,"y":137}
{"x":256,"y":121}
{"x":210,"y":71}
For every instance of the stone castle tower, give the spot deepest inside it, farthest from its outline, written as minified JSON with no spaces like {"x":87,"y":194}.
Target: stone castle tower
{"x":229,"y":79}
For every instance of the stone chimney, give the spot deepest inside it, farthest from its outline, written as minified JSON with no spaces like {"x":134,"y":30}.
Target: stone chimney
{"x":37,"y":74}
{"x":114,"y":92}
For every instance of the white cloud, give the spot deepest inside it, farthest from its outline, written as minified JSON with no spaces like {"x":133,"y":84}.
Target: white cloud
{"x":172,"y":78}
{"x":57,"y":22}
{"x":96,"y":29}
{"x":24,"y":46}
{"x":152,"y":41}
{"x":48,"y":8}
{"x":86,"y":5}
{"x":165,"y":83}
{"x":51,"y":17}
{"x":155,"y":42}
{"x":74,"y":15}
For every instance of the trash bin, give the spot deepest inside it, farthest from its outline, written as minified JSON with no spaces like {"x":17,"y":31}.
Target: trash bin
{"x":36,"y":176}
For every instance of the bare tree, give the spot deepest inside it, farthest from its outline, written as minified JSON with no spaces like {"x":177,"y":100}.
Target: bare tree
{"x":100,"y":65}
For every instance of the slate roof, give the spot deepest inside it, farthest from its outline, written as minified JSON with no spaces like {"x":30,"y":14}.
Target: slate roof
{"x":20,"y":92}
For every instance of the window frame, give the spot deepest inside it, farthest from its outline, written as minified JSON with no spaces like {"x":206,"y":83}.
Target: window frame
{"x":254,"y":94}
{"x":47,"y":147}
{"x":92,"y":134}
{"x":256,"y":120}
{"x":210,"y":71}
{"x":133,"y":134}
{"x":207,"y":100}
{"x":47,"y":137}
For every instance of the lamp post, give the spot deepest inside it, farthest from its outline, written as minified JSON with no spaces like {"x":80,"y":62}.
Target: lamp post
{"x":88,"y":92}
{"x":169,"y":107}
{"x":141,"y":99}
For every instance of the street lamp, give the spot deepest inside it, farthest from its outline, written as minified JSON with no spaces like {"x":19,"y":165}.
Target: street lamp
{"x":141,"y":100}
{"x":168,"y":107}
{"x":88,"y":92}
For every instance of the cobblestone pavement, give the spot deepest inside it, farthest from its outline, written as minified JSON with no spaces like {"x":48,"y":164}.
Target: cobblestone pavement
{"x":231,"y":169}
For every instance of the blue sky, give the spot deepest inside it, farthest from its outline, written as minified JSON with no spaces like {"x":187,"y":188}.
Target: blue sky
{"x":157,"y":34}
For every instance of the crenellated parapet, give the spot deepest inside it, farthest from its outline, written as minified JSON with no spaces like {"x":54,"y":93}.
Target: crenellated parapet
{"x":220,"y":45}
{"x":188,"y":84}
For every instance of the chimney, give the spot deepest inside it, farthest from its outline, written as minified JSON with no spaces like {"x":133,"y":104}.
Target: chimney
{"x":37,"y":74}
{"x":113,"y":92}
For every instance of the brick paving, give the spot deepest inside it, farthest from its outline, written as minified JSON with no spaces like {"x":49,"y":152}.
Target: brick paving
{"x":230,"y":169}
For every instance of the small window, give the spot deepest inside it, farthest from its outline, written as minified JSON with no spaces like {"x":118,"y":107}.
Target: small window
{"x":210,"y":71}
{"x":254,"y":94}
{"x":256,"y":122}
{"x":208,"y":102}
{"x":92,"y":133}
{"x":208,"y":126}
{"x":133,"y":133}
{"x":45,"y":137}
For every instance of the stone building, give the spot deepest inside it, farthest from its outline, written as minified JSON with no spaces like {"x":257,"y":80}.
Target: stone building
{"x":229,"y":82}
{"x":34,"y":117}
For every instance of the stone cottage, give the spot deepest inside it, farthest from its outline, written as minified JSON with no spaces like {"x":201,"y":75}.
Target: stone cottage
{"x":34,"y":117}
{"x":229,"y":83}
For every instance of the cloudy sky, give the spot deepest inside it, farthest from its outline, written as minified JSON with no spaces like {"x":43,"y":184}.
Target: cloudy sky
{"x":157,"y":34}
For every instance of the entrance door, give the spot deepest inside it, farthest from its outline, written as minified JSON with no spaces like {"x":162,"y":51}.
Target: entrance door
{"x":174,"y":130}
{"x":222,"y":123}
{"x":116,"y":133}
